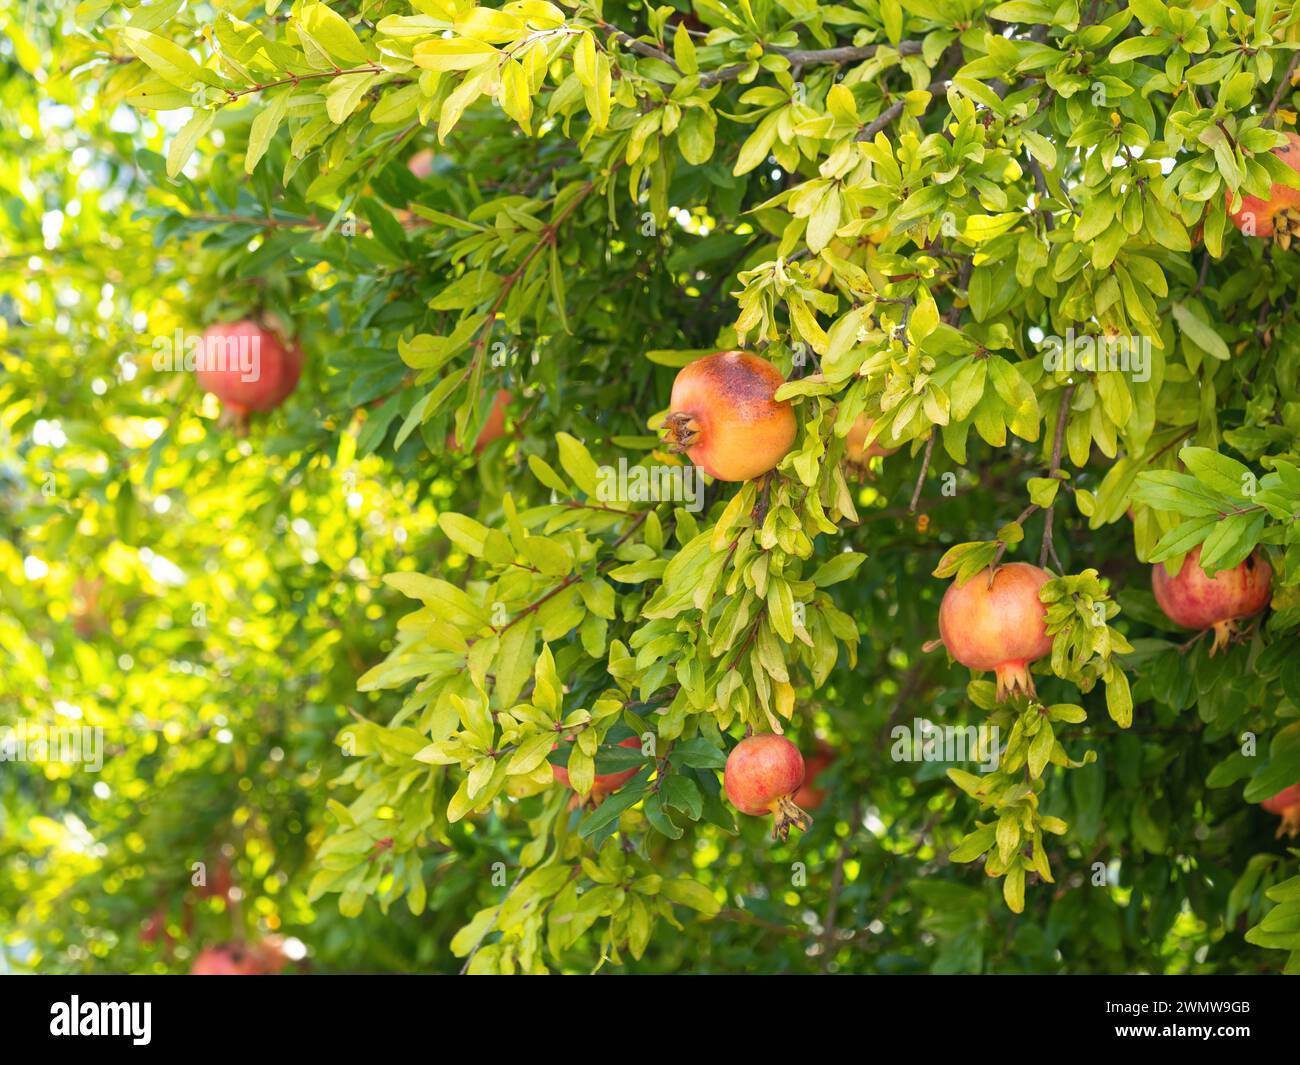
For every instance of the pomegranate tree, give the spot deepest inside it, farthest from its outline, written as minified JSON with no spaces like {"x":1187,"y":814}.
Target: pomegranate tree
{"x":247,"y":367}
{"x":1286,"y":804}
{"x":995,"y":620}
{"x":761,"y":777}
{"x":1278,"y":216}
{"x":726,"y":418}
{"x":1197,"y":601}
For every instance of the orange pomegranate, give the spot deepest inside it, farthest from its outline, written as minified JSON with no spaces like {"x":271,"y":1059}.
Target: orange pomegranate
{"x":1278,"y":216}
{"x":725,"y":417}
{"x":1197,"y":601}
{"x":421,"y":163}
{"x":996,"y":621}
{"x":494,"y":427}
{"x":1286,"y":804}
{"x":857,"y":452}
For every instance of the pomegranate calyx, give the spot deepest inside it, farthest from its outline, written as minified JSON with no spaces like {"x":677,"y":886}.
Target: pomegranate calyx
{"x":1286,"y":226}
{"x":1224,"y":632}
{"x":682,"y":431}
{"x":1290,"y":825}
{"x":786,"y":815}
{"x":1013,"y":677}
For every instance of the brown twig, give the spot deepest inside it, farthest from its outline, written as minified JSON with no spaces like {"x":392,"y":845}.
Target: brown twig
{"x":1058,"y":442}
{"x":920,"y":477}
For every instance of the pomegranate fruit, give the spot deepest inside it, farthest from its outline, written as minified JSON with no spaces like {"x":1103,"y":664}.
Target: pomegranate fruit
{"x":1196,"y":601}
{"x":218,"y":883}
{"x":247,"y":367}
{"x":809,"y":796}
{"x":421,"y":163}
{"x":857,"y":453}
{"x":494,"y":428}
{"x":605,"y":783}
{"x":1286,"y":804}
{"x":725,"y":418}
{"x":1278,"y":216}
{"x":761,"y":777}
{"x":229,"y":960}
{"x":996,"y":621}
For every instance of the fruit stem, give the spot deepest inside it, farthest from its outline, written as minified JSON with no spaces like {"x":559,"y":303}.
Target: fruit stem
{"x":787,"y":815}
{"x":682,"y":431}
{"x":1013,"y":677}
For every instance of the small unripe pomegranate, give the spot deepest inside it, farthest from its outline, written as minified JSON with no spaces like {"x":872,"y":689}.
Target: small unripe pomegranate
{"x":1278,"y":216}
{"x":996,"y":621}
{"x":494,"y":428}
{"x":761,"y":777}
{"x":725,"y":418}
{"x":605,"y":783}
{"x":1197,"y":601}
{"x":809,"y":796}
{"x":247,"y":367}
{"x":1286,"y":803}
{"x":230,"y":960}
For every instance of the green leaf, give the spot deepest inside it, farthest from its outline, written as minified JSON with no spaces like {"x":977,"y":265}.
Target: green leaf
{"x":187,"y":139}
{"x":263,"y":129}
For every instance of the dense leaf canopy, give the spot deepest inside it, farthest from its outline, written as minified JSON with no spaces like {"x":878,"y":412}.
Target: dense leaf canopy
{"x":338,"y":654}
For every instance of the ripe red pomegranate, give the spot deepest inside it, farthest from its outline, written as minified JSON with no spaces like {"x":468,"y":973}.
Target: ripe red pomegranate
{"x":1286,"y":803}
{"x":857,"y":453}
{"x":155,"y":928}
{"x":809,"y":796}
{"x":494,"y":427}
{"x":761,"y":777}
{"x":232,"y":959}
{"x":1196,"y":601}
{"x":1278,"y":216}
{"x":605,"y":783}
{"x":247,"y":367}
{"x":725,"y":419}
{"x":996,"y":621}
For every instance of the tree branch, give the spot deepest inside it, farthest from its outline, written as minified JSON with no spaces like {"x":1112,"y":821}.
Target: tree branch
{"x":893,"y":111}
